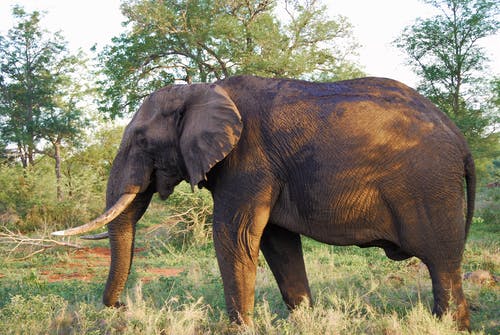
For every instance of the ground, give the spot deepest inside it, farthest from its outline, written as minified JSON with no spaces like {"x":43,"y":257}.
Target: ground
{"x":84,"y":264}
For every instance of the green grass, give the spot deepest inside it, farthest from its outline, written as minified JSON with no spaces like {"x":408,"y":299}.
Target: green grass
{"x":356,"y":291}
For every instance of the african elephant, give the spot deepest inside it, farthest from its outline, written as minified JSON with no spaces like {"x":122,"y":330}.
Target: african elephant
{"x":366,"y":162}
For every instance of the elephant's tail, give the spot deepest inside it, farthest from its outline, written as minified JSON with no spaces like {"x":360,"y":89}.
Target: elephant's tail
{"x":470,"y":179}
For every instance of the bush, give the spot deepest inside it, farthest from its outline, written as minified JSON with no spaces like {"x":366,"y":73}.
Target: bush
{"x":488,"y":205}
{"x":182,"y":221}
{"x":28,"y":199}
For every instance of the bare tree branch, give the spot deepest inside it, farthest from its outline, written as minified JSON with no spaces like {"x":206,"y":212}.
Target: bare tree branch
{"x":16,"y":241}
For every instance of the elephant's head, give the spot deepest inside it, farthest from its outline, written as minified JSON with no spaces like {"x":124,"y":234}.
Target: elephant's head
{"x":179,"y":133}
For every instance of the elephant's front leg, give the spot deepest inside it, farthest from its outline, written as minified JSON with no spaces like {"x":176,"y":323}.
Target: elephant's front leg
{"x":236,"y":240}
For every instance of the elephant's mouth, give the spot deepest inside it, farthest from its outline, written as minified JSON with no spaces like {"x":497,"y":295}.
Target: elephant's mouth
{"x":165,"y":182}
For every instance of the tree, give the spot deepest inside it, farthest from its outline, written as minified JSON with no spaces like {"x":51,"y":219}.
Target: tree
{"x":24,"y":82}
{"x":206,"y":40}
{"x":37,"y":94}
{"x":446,"y":54}
{"x":63,"y":123}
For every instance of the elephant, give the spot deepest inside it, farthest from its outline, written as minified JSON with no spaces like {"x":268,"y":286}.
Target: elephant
{"x":367,"y":162}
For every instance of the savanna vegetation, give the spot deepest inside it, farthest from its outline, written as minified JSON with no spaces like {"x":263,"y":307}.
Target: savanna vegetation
{"x":57,"y":146}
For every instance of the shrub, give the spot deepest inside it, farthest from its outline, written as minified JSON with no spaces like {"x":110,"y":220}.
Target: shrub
{"x":28,"y":199}
{"x":488,"y":205}
{"x":182,"y":221}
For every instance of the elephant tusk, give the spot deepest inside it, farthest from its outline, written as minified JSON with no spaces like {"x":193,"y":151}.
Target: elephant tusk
{"x":101,"y":236}
{"x":122,"y":203}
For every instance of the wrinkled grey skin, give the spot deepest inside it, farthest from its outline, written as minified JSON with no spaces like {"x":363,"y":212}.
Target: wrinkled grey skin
{"x":366,"y":162}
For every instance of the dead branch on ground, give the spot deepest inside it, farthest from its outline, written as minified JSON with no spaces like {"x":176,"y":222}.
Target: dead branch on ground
{"x":16,"y":242}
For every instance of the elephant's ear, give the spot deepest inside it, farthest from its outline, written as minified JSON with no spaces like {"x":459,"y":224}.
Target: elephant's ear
{"x":211,"y":127}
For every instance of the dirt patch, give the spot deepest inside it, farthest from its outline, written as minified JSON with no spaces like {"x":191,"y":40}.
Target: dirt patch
{"x":57,"y":277}
{"x":93,"y":252}
{"x":88,"y":263}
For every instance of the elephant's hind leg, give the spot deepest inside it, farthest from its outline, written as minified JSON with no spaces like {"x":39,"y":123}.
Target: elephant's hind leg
{"x":431,"y":226}
{"x":283,"y":252}
{"x":447,"y":287}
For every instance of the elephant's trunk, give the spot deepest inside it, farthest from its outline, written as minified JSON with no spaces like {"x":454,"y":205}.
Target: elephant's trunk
{"x":121,"y":238}
{"x":121,"y":232}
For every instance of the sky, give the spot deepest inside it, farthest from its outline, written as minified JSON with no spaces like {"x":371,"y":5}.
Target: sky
{"x":376,"y":25}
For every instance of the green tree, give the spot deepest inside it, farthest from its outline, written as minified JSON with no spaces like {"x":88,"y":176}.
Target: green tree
{"x":445,"y":52}
{"x":38,"y":97}
{"x":63,"y":124}
{"x":3,"y":151}
{"x":206,"y":40}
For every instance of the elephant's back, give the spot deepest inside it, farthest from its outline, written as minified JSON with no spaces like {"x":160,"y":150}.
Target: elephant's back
{"x":365,"y":134}
{"x":375,"y":114}
{"x":288,"y":105}
{"x":361,"y":121}
{"x":388,"y":117}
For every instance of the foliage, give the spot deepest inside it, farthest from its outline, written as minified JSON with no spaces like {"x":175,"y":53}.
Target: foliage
{"x":29,"y":203}
{"x":183,"y":222}
{"x":488,"y":204}
{"x":494,"y":170}
{"x":205,"y":40}
{"x":446,"y":53}
{"x":38,"y":88}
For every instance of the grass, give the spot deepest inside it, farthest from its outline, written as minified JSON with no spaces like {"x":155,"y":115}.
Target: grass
{"x":356,"y":291}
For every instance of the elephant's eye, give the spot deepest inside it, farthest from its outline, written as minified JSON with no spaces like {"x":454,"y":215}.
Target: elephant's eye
{"x":141,"y":141}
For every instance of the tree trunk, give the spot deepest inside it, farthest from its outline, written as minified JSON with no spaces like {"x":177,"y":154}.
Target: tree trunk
{"x":22,"y":155}
{"x":69,"y":178}
{"x":31,"y":156}
{"x":57,"y":158}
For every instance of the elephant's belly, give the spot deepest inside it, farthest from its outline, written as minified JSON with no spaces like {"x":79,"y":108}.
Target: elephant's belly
{"x":331,"y":232}
{"x":353,"y":219}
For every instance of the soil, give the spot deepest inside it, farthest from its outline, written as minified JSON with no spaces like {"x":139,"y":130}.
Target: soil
{"x":89,"y":263}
